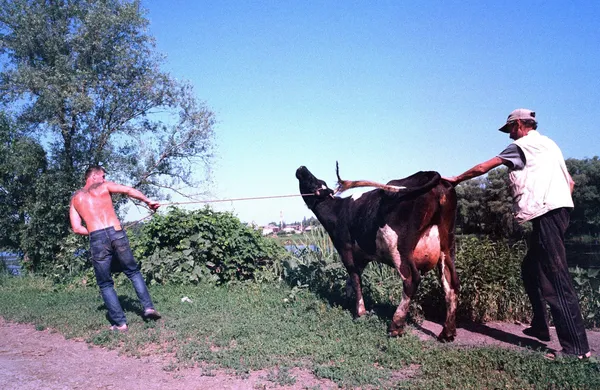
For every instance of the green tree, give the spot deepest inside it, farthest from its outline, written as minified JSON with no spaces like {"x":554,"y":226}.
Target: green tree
{"x":83,"y":76}
{"x":469,"y":218}
{"x":485,"y":206}
{"x":498,"y":215}
{"x":22,"y":161}
{"x":585,"y":218}
{"x":312,"y":221}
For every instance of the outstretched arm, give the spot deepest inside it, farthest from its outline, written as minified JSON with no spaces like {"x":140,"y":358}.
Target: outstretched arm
{"x":132,"y":193}
{"x":477,"y":170}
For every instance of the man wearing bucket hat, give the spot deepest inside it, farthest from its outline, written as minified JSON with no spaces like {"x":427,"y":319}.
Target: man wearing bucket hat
{"x":541,"y":187}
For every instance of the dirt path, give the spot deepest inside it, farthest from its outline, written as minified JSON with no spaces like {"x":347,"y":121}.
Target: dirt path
{"x":501,"y":334}
{"x":31,"y":359}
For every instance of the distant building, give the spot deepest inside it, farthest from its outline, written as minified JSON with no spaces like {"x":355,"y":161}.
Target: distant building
{"x":267,"y":231}
{"x":270,"y":229}
{"x":297,"y":228}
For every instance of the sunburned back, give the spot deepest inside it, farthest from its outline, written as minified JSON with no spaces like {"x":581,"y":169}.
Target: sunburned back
{"x":94,"y":205}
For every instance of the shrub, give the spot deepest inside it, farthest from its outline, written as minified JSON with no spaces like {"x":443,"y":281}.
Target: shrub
{"x":490,"y":279}
{"x":186,"y":247}
{"x":72,"y":261}
{"x":313,"y":261}
{"x":587,"y":284}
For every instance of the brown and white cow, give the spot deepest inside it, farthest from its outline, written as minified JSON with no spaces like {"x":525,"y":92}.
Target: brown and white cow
{"x":409,"y":225}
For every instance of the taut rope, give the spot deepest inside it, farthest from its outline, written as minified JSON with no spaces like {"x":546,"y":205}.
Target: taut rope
{"x":214,"y":201}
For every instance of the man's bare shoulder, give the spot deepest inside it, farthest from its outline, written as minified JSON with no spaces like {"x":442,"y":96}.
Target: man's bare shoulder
{"x":78,"y":193}
{"x":95,"y":190}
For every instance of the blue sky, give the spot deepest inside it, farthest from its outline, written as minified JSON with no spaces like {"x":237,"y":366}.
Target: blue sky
{"x":387,"y":88}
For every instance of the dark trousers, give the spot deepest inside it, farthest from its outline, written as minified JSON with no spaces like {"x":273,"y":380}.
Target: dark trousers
{"x":547,"y":280}
{"x":107,"y":246}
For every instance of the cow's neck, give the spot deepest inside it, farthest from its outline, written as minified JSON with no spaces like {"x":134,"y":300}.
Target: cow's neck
{"x":326,"y":212}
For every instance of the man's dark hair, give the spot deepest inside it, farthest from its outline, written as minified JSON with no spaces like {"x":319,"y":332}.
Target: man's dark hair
{"x":92,"y":169}
{"x":529,"y":123}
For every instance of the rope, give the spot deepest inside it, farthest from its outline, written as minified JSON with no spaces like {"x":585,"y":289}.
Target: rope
{"x":213,"y":201}
{"x":234,"y":199}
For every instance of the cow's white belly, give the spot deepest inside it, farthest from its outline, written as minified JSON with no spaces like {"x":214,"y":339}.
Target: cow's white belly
{"x":425,"y":255}
{"x":427,"y":251}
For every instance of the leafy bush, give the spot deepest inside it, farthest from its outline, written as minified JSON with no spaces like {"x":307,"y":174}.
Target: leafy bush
{"x":490,"y":279}
{"x":587,"y":284}
{"x":313,"y":261}
{"x":72,"y":261}
{"x":186,"y":247}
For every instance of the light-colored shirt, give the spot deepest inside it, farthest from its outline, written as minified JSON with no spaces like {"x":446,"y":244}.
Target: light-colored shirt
{"x":543,"y":184}
{"x":513,"y":157}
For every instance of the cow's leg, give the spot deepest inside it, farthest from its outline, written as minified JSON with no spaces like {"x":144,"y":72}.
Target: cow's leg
{"x":410,"y":281}
{"x":448,"y":275}
{"x":387,"y":242}
{"x":449,"y":281}
{"x":354,"y":281}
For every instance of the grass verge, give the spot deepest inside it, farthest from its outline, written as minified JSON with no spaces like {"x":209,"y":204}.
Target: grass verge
{"x":249,"y":326}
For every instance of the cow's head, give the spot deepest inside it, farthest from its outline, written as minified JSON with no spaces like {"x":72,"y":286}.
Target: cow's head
{"x":312,"y":189}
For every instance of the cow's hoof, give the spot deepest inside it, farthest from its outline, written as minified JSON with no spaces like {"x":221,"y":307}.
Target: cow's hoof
{"x":444,"y":338}
{"x":395,"y":333}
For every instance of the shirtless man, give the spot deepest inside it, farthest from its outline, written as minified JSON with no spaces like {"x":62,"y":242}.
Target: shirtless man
{"x":93,"y":205}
